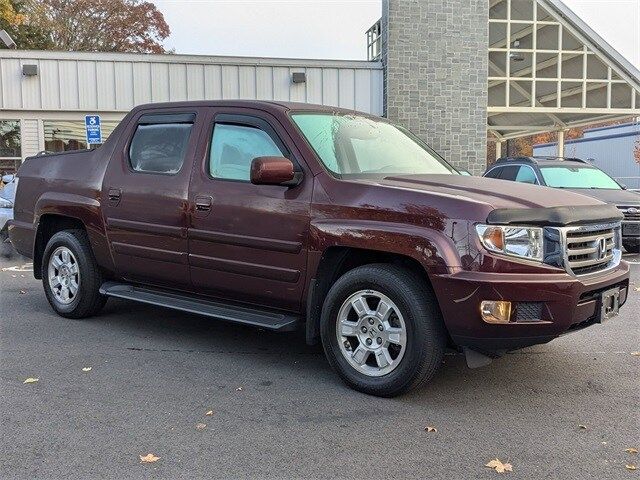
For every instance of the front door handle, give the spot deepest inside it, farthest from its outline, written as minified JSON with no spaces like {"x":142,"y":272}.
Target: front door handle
{"x":114,"y":195}
{"x":203,"y":203}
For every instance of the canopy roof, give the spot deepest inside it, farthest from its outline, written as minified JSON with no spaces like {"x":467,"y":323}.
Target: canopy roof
{"x":548,"y":70}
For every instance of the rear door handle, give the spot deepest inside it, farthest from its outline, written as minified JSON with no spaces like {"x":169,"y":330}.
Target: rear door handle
{"x":203,"y":203}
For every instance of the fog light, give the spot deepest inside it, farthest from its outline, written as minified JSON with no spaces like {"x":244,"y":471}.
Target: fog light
{"x":495,"y":311}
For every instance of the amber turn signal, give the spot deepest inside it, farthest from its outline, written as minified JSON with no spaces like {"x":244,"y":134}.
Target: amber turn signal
{"x":495,"y":311}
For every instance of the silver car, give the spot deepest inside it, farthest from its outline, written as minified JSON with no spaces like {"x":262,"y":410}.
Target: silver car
{"x":7,"y":197}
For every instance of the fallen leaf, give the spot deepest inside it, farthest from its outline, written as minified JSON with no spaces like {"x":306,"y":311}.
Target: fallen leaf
{"x":13,"y":276}
{"x":500,"y":467}
{"x":149,"y":458}
{"x":637,"y":289}
{"x":31,"y":380}
{"x":22,"y":292}
{"x":631,"y":466}
{"x":239,"y":389}
{"x":430,"y":429}
{"x":635,"y":354}
{"x":86,"y":369}
{"x":631,"y":450}
{"x":201,"y":426}
{"x":582,"y":427}
{"x":209,"y":413}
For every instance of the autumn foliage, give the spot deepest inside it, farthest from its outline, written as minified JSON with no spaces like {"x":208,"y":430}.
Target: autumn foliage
{"x":636,"y":151}
{"x":85,"y":25}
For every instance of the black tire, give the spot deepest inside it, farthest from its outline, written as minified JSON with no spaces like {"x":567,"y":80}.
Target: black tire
{"x":88,"y":300}
{"x":631,"y":247}
{"x":426,"y":334}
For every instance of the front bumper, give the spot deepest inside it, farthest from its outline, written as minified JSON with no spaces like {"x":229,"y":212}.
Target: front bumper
{"x":561,"y":303}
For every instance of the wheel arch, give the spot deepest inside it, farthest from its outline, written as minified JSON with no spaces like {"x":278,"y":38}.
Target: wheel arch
{"x":337,"y":260}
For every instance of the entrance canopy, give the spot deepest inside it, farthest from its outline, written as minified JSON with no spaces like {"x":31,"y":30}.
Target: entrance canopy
{"x":549,"y":71}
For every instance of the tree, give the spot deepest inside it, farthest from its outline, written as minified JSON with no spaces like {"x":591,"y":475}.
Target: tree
{"x":14,"y":20}
{"x":87,"y":25}
{"x":636,"y":151}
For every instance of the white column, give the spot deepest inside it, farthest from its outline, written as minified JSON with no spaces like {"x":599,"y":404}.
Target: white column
{"x":499,"y":149}
{"x":561,"y":143}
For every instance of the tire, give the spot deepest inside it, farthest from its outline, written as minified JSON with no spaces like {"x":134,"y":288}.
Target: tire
{"x":86,"y":301}
{"x":425,"y":335}
{"x":631,"y":247}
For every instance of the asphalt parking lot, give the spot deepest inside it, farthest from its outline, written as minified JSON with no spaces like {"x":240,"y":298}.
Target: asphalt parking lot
{"x":279,"y":411}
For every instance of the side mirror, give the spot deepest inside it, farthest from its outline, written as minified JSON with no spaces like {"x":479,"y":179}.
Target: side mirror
{"x":273,"y":171}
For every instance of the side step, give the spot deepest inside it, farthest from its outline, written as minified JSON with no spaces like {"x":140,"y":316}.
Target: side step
{"x":270,"y":320}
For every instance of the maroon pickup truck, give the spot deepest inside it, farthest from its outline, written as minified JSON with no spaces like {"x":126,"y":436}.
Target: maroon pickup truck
{"x":286,"y":216}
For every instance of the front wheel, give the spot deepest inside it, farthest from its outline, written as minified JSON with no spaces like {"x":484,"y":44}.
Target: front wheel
{"x":382,"y":330}
{"x":71,"y":276}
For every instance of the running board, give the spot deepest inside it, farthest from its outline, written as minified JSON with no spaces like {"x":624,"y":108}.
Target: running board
{"x":267,"y":319}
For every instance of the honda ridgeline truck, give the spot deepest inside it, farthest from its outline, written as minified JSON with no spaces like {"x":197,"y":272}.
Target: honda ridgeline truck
{"x":286,"y":216}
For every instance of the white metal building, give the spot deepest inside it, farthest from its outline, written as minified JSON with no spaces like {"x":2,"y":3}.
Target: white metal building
{"x":44,"y":96}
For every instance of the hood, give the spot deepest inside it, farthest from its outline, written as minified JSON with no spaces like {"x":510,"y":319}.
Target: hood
{"x":496,"y":193}
{"x":623,"y":198}
{"x":511,"y":203}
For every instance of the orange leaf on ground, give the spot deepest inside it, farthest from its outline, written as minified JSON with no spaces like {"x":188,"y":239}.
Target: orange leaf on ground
{"x":148,"y":458}
{"x":500,"y":467}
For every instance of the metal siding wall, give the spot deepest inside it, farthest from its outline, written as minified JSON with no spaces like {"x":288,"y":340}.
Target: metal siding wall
{"x":87,"y":83}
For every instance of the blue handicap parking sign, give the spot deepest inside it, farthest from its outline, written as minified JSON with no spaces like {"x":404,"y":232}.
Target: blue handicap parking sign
{"x":93,"y":129}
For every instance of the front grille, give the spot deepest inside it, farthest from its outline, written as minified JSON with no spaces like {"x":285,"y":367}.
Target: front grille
{"x":631,"y":213}
{"x":591,"y":249}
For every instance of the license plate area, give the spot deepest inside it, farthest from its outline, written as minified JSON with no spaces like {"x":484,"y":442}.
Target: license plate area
{"x":631,"y":229}
{"x":609,"y":304}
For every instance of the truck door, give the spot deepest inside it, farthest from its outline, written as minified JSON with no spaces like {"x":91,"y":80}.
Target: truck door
{"x":145,"y":196}
{"x":248,"y":242}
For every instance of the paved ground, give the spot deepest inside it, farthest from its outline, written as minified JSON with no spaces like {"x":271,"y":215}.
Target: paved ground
{"x":279,"y":412}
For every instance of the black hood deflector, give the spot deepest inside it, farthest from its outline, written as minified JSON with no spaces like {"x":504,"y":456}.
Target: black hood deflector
{"x":555,"y":216}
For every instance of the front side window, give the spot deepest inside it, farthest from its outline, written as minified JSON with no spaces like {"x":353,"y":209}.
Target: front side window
{"x":233,"y":148}
{"x":578,"y":177}
{"x":526,"y":175}
{"x":354,"y":145}
{"x":160,"y":147}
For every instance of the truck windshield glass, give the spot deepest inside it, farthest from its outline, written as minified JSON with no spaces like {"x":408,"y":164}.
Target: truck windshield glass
{"x":353,"y":145}
{"x":578,"y":177}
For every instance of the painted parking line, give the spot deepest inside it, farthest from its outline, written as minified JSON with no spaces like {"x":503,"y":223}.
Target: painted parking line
{"x":632,"y":258}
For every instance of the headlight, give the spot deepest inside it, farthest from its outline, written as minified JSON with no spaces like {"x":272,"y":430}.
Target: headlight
{"x":4,"y":203}
{"x":523,"y":242}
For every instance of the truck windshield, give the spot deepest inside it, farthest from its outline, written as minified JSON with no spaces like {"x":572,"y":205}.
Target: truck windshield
{"x":358,"y":146}
{"x":578,"y":177}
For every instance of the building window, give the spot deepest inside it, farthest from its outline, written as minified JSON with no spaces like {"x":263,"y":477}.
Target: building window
{"x":63,"y":136}
{"x":10,"y":151}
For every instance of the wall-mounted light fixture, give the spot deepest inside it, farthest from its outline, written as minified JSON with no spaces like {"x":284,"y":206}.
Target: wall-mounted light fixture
{"x":29,"y":70}
{"x":6,"y":39}
{"x":298,"y":77}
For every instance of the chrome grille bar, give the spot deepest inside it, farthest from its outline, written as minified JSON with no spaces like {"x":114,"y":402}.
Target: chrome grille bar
{"x":591,"y":248}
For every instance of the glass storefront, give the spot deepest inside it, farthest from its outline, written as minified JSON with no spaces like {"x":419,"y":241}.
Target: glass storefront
{"x":66,"y":135}
{"x":10,"y":145}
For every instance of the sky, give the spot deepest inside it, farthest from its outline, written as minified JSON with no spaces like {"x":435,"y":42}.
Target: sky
{"x":335,"y":29}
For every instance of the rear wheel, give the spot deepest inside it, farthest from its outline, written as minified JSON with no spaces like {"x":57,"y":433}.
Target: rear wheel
{"x":71,"y":276}
{"x":382,"y":330}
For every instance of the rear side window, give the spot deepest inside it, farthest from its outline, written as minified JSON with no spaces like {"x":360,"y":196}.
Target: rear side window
{"x":494,"y":173}
{"x":509,"y":173}
{"x":233,"y":148}
{"x":159,"y":147}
